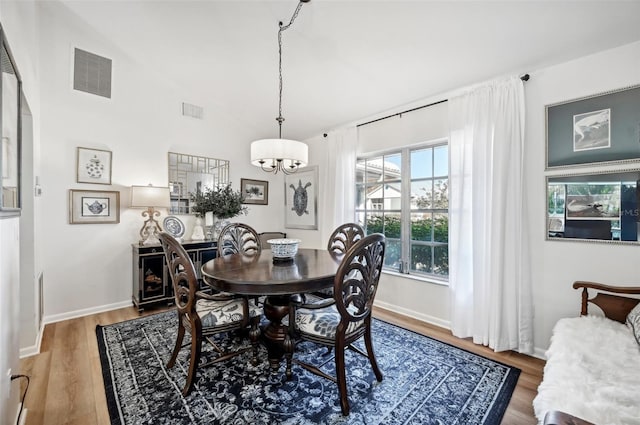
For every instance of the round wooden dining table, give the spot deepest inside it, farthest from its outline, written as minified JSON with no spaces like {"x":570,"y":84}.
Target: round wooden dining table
{"x":256,"y":275}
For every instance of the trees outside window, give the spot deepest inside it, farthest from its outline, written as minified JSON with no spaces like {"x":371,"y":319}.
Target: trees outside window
{"x":404,"y":195}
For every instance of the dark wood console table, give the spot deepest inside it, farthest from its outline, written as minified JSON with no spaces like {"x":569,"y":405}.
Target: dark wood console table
{"x":151,"y":282}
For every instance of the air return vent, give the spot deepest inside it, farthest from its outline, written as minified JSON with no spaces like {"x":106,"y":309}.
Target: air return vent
{"x":194,"y":111}
{"x":92,"y":73}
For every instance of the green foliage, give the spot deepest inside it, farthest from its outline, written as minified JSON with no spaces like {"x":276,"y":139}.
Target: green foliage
{"x":426,"y":230}
{"x":223,"y":201}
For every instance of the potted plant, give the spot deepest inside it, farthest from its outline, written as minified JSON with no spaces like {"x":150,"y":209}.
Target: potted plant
{"x":222,"y":202}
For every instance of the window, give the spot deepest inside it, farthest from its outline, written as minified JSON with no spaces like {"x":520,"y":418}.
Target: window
{"x":404,"y":195}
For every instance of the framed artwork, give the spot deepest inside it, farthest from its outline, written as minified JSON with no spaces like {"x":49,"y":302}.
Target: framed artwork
{"x":93,"y":166}
{"x":597,"y":206}
{"x":94,"y":207}
{"x":301,"y":199}
{"x":599,"y":129}
{"x":255,"y":191}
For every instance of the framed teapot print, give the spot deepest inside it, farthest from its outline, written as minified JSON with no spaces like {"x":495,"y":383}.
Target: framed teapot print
{"x":94,"y":207}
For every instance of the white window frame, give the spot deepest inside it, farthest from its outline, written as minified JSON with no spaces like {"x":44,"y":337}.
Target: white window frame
{"x":405,"y":211}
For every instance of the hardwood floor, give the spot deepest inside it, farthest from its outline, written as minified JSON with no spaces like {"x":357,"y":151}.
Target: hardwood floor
{"x":66,"y":378}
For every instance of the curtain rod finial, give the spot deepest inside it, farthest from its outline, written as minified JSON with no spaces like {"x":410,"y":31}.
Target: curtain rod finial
{"x":525,"y":77}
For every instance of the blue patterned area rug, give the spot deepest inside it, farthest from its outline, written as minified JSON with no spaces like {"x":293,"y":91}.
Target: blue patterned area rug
{"x":425,"y":382}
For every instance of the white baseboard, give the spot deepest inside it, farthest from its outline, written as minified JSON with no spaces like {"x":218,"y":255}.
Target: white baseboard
{"x":537,"y":352}
{"x":85,"y":312}
{"x":414,"y":314}
{"x":34,"y":349}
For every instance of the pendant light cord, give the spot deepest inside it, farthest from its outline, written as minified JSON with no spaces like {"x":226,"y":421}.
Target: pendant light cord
{"x":283,"y":27}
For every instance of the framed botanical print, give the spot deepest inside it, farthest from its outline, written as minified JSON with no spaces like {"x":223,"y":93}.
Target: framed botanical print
{"x":301,"y":199}
{"x":93,"y":166}
{"x":94,"y":207}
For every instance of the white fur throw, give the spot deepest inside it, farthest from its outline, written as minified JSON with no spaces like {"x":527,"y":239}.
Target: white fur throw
{"x":592,"y":371}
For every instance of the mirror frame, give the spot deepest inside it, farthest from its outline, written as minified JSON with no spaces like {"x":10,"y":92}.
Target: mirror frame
{"x":15,"y":159}
{"x":587,"y":225}
{"x":179,"y":182}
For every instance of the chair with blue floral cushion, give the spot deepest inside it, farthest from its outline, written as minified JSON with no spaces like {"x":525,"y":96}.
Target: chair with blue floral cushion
{"x":204,"y":315}
{"x":340,"y":321}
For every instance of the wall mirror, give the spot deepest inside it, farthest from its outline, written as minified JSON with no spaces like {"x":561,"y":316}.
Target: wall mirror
{"x":192,"y":174}
{"x":595,"y":207}
{"x":10,"y":87}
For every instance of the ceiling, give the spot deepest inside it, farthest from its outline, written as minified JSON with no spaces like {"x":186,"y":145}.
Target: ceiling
{"x":345,"y":60}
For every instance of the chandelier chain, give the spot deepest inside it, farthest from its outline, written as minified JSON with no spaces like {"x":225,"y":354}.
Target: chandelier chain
{"x":280,"y":119}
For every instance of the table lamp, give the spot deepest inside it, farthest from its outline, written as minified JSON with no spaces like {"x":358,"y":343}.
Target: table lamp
{"x":150,"y":197}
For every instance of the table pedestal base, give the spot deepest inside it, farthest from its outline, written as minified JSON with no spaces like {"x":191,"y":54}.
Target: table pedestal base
{"x":277,"y":339}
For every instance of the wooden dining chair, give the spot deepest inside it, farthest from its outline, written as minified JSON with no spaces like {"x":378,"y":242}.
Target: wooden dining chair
{"x":265,"y":236}
{"x":238,"y":238}
{"x":340,"y":321}
{"x":342,"y":238}
{"x":204,"y":315}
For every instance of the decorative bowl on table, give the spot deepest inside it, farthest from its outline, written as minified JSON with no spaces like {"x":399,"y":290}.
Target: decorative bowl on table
{"x":283,"y":249}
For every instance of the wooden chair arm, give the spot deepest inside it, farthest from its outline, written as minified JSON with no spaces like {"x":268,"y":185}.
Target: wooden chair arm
{"x":556,"y":417}
{"x":615,"y":307}
{"x":607,"y":288}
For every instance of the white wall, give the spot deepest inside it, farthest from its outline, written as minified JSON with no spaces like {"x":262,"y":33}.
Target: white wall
{"x":88,"y":267}
{"x":557,"y":264}
{"x":16,"y":305}
{"x":9,"y":313}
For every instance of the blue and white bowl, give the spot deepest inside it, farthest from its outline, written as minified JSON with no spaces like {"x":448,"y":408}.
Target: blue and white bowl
{"x":284,"y":249}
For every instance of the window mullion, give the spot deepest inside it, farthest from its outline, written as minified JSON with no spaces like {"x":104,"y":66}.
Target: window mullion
{"x":405,"y":215}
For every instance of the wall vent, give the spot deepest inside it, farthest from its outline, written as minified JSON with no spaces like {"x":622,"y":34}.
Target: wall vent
{"x":92,"y":73}
{"x":194,"y":111}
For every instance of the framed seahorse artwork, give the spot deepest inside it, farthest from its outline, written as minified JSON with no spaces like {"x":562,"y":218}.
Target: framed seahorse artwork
{"x":301,"y":199}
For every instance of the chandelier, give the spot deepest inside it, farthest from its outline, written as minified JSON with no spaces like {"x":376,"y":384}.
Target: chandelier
{"x":273,"y":155}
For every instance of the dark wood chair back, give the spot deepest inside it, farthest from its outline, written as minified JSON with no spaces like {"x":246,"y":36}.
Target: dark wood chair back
{"x":356,"y":281}
{"x":344,"y":237}
{"x":238,"y":238}
{"x":182,"y":272}
{"x":265,"y":236}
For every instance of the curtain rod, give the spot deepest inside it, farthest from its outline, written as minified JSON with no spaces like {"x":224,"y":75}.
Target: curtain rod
{"x":525,"y":77}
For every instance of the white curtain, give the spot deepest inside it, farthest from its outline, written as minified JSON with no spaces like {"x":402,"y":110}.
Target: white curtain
{"x":489,"y":275}
{"x":339,"y":180}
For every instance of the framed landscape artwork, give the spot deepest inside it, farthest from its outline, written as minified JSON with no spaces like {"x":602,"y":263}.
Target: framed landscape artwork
{"x":599,"y":129}
{"x":93,"y":166}
{"x":255,"y":191}
{"x":94,"y":207}
{"x":301,"y":199}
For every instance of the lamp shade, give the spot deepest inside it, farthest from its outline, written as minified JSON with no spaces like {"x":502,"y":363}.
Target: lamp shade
{"x":149,"y":196}
{"x":268,"y":151}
